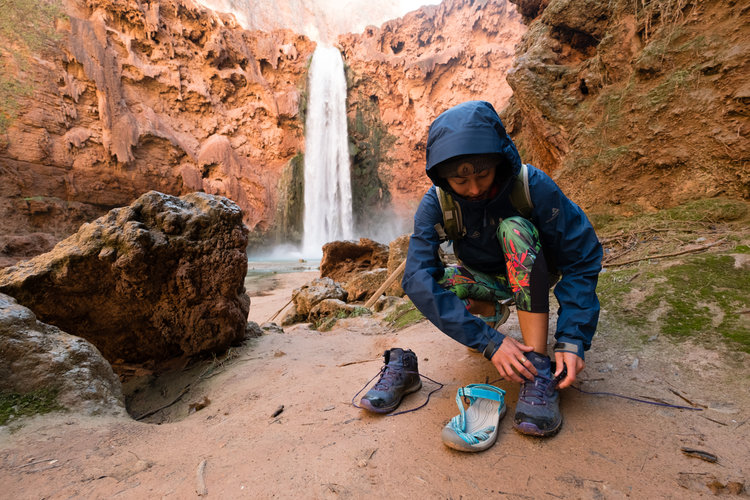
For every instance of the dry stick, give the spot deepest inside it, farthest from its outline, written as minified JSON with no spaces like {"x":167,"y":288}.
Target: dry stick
{"x":661,"y":256}
{"x":152,"y":412}
{"x":201,"y":489}
{"x":385,"y":285}
{"x":279,"y":311}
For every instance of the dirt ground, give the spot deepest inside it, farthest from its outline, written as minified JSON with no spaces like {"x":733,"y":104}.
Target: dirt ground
{"x":320,"y":446}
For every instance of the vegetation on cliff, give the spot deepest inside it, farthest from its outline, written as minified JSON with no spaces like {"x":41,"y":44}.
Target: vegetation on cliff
{"x":26,"y":27}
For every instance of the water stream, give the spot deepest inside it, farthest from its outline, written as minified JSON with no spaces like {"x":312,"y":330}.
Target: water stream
{"x":328,"y":193}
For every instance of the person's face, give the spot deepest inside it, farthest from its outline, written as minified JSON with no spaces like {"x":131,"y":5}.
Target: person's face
{"x":472,"y":185}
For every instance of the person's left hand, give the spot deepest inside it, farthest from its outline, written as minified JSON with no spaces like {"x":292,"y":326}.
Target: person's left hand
{"x":572,"y":362}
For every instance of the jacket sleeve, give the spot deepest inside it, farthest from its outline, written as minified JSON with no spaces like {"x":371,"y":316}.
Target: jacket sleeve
{"x":424,"y":268}
{"x":569,"y":238}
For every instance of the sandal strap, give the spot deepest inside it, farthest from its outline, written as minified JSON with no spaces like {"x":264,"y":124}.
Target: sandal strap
{"x":485,"y":391}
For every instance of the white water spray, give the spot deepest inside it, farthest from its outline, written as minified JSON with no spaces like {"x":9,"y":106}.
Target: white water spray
{"x":328,"y":192}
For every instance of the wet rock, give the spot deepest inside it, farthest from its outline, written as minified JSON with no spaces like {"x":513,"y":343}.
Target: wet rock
{"x":161,"y":278}
{"x":310,"y":294}
{"x":35,"y":356}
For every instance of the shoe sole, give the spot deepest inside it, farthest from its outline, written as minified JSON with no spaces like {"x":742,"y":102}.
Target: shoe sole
{"x":478,"y":416}
{"x":530,"y":429}
{"x":387,"y":409}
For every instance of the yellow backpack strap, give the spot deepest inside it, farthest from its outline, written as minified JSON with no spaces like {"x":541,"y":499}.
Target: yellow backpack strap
{"x":520,"y":197}
{"x":452,"y":227}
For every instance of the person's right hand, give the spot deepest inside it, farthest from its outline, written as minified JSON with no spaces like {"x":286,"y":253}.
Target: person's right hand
{"x":510,"y":355}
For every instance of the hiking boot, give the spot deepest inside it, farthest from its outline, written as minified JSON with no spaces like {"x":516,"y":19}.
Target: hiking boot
{"x":538,"y":408}
{"x":398,"y":377}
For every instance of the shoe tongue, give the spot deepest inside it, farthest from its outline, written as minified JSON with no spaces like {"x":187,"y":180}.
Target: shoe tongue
{"x":541,"y":362}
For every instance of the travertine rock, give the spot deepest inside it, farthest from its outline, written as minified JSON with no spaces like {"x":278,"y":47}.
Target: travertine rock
{"x":310,"y":294}
{"x":35,"y":356}
{"x":342,"y":260}
{"x":362,"y":285}
{"x":162,"y":95}
{"x":397,"y":251}
{"x":161,"y":278}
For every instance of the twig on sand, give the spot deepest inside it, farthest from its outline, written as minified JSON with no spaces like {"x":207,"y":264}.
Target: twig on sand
{"x":661,"y":256}
{"x":152,"y":412}
{"x":685,"y":399}
{"x":201,"y":489}
{"x":279,"y":311}
{"x":357,"y":362}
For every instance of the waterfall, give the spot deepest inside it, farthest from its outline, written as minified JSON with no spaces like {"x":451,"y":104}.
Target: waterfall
{"x":328,"y":193}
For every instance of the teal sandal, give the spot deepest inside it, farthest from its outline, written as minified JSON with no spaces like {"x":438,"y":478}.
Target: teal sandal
{"x":475,"y":428}
{"x":502,"y":313}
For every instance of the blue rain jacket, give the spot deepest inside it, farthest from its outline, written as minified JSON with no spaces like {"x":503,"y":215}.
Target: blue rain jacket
{"x":569,"y":242}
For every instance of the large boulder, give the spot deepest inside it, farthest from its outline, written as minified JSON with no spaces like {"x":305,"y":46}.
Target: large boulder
{"x":36,"y":356}
{"x":310,"y":294}
{"x":343,"y":259}
{"x":161,"y":278}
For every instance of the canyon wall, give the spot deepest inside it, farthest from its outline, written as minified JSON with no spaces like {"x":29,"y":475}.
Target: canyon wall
{"x":405,"y":73}
{"x":136,"y":96}
{"x":635,"y":105}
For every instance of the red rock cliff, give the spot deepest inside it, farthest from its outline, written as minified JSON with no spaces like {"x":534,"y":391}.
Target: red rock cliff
{"x":405,"y":73}
{"x":158,"y":95}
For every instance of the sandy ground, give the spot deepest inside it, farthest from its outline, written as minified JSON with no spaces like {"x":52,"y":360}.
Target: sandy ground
{"x":320,"y":446}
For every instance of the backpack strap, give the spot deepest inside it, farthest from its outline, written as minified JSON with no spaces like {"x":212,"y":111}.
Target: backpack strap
{"x":452,"y":227}
{"x":520,"y":197}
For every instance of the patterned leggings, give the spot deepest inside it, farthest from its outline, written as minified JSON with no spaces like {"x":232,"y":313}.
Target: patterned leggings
{"x":526,"y":278}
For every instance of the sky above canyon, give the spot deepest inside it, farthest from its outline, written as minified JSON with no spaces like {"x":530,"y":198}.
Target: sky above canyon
{"x":321,"y":20}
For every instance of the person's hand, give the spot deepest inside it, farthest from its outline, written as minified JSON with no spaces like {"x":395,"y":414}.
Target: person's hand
{"x":510,"y":361}
{"x":572,"y":362}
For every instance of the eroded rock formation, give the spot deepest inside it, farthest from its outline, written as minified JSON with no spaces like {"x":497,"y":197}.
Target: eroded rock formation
{"x":161,"y":278}
{"x":161,"y":95}
{"x":405,"y":73}
{"x":634,"y":108}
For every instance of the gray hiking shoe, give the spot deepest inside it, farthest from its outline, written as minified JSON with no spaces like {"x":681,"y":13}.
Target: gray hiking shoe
{"x":399,"y":377}
{"x":538,"y":408}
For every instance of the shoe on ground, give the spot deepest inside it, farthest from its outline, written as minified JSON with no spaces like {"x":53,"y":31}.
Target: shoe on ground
{"x":538,"y":408}
{"x":399,"y":377}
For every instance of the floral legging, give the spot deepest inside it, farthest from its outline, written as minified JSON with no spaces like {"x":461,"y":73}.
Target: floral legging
{"x":526,"y":278}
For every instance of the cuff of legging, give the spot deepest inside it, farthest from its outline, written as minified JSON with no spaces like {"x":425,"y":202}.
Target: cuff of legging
{"x":570,"y":345}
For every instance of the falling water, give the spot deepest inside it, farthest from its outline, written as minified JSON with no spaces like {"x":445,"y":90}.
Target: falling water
{"x":328,"y":193}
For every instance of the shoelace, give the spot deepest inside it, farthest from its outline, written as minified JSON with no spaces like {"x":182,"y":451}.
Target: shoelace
{"x":533,"y":392}
{"x":425,"y":377}
{"x":388,"y":377}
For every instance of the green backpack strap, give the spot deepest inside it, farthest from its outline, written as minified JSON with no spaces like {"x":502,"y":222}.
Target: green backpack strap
{"x":520,"y":197}
{"x":452,"y":227}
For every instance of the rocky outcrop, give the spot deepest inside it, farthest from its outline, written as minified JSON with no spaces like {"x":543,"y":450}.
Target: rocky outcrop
{"x":634,"y":108}
{"x":311,"y":294}
{"x":342,"y":260}
{"x":161,"y":278}
{"x":161,"y":95}
{"x":403,"y":74}
{"x":35,"y":356}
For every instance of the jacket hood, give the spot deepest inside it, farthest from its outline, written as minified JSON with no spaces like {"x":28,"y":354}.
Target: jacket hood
{"x":472,"y":127}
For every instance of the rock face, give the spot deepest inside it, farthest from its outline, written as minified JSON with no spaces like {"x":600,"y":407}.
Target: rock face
{"x":138,"y":96}
{"x":342,"y":260}
{"x":160,"y":278}
{"x":408,"y":71}
{"x":36,"y":356}
{"x":634,"y":108}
